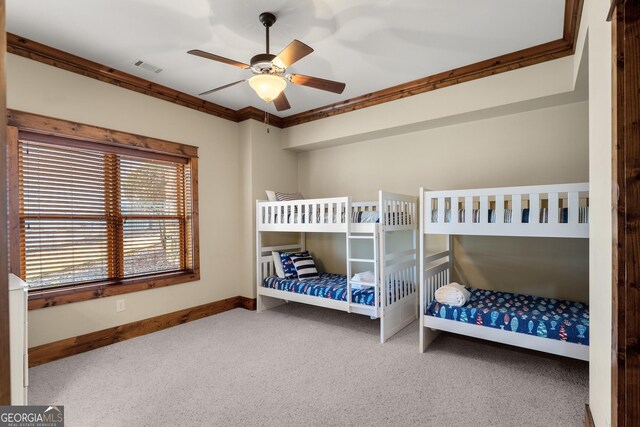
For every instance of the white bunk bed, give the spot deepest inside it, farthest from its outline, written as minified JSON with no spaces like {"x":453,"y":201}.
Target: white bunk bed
{"x":395,"y":283}
{"x":532,"y":211}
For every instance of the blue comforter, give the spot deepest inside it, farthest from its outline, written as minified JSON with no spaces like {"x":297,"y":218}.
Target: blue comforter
{"x":542,"y":317}
{"x":331,"y":286}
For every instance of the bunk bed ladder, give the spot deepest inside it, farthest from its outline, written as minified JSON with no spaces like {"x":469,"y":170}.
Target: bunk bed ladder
{"x":348,"y":239}
{"x":374,"y":236}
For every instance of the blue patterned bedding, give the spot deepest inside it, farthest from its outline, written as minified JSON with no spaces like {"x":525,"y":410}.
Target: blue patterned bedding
{"x":331,"y":286}
{"x":543,"y":317}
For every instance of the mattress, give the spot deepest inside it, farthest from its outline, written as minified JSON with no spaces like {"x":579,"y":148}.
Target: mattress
{"x":330,"y":286}
{"x":543,"y":317}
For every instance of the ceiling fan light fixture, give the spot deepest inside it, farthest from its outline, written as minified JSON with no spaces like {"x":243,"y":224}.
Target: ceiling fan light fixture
{"x":267,"y":86}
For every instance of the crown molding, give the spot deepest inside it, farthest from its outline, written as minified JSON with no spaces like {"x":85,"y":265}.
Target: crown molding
{"x":512,"y":61}
{"x":254,"y":113}
{"x":66,"y":61}
{"x":572,"y":14}
{"x":534,"y":55}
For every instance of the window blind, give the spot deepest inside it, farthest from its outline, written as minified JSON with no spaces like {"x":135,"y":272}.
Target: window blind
{"x":93,"y":215}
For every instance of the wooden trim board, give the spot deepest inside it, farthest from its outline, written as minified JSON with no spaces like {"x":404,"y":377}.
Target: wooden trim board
{"x":68,"y":347}
{"x":588,"y":418}
{"x":248,"y":303}
{"x":5,"y":362}
{"x":530,"y":56}
{"x":260,"y":116}
{"x":625,"y":374}
{"x":68,"y":129}
{"x":76,"y":293}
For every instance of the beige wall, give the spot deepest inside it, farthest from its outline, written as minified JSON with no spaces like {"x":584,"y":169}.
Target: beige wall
{"x":517,"y":128}
{"x":544,"y":146}
{"x":266,"y":167}
{"x":548,"y":83}
{"x":41,"y":89}
{"x":600,"y":228}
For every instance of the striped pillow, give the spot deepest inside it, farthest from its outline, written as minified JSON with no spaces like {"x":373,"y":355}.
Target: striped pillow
{"x":283,"y":197}
{"x":305,"y":267}
{"x":288,"y":268}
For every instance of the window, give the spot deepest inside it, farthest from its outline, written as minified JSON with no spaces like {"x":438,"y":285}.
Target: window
{"x":101,"y":215}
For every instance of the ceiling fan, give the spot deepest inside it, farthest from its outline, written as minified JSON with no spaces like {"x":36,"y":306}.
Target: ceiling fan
{"x":270,"y":80}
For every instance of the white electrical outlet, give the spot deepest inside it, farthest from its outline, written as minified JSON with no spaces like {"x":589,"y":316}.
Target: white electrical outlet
{"x":120,"y":305}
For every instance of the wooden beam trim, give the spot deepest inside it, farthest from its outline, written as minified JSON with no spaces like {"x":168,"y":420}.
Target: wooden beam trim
{"x":512,"y":61}
{"x":71,"y":346}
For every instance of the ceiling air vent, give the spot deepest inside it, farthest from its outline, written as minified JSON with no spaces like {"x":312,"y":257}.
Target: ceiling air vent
{"x":146,"y":66}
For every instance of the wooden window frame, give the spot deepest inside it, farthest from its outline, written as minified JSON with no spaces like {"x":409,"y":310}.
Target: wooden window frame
{"x":82,"y":135}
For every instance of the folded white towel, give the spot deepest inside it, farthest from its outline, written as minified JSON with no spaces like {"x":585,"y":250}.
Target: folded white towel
{"x":453,"y":294}
{"x":365,"y":276}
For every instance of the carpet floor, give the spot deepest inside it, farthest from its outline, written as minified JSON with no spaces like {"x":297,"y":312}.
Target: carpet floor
{"x":300,"y":365}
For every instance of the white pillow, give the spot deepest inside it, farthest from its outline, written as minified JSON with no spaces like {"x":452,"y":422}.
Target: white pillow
{"x":277,"y":263}
{"x":271,"y":196}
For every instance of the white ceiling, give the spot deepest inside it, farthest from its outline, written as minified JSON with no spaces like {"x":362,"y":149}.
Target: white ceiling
{"x":369,"y":45}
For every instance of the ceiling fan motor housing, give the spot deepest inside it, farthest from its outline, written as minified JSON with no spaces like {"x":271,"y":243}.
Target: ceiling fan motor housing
{"x":262,"y":63}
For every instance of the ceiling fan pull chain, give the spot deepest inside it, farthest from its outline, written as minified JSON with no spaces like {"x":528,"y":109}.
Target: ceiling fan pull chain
{"x":266,"y":120}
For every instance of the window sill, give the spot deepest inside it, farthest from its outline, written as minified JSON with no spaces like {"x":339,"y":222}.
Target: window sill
{"x":77,"y":293}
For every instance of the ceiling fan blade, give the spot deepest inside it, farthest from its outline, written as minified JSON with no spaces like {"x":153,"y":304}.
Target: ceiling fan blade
{"x":295,"y":51}
{"x":318,"y":83}
{"x":207,"y":55}
{"x":220,"y":88}
{"x":281,"y":102}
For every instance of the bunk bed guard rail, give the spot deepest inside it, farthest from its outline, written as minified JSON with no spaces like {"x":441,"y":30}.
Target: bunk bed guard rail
{"x":559,"y":210}
{"x":324,"y":215}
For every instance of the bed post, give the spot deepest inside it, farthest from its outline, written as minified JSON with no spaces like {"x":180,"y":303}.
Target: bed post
{"x":415,"y":272}
{"x":379,"y":272}
{"x":259,"y":307}
{"x":420,"y":253}
{"x":450,"y":250}
{"x":347,"y":219}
